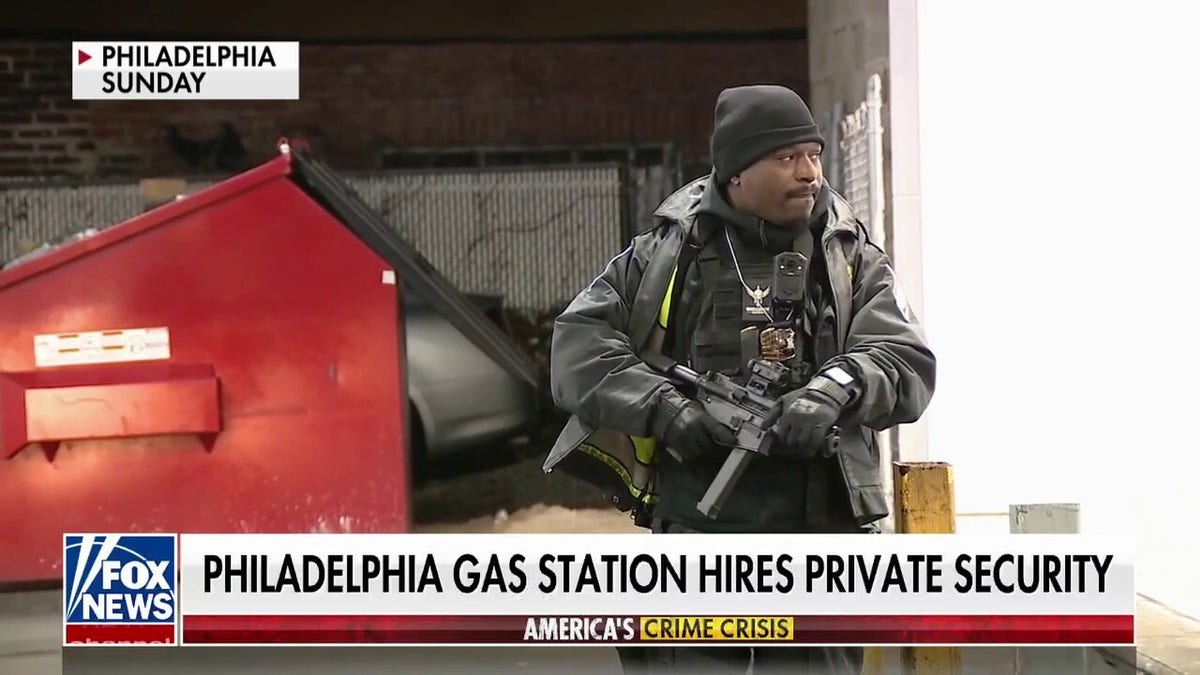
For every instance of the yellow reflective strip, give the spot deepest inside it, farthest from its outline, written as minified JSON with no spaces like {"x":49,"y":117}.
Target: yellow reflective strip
{"x":612,"y":463}
{"x":644,"y":448}
{"x":664,"y":311}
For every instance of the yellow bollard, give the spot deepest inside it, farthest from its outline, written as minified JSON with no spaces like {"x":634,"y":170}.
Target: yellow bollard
{"x":924,"y":504}
{"x":924,"y":493}
{"x":874,"y":661}
{"x":924,"y":497}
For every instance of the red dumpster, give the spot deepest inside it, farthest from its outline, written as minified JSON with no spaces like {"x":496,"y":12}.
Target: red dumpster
{"x":229,"y":362}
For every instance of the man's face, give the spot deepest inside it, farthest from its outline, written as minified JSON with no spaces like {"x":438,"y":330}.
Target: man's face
{"x":780,"y":188}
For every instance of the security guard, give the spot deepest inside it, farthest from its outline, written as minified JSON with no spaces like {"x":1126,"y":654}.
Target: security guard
{"x":693,"y":288}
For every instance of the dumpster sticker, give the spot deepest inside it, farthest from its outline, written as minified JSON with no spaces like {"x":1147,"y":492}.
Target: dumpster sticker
{"x":108,"y":346}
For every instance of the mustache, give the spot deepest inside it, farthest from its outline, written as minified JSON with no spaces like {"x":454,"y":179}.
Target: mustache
{"x":802,"y":192}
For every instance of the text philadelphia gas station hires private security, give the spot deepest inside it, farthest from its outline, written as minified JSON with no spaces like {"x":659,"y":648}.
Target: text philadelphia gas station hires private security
{"x":644,"y":573}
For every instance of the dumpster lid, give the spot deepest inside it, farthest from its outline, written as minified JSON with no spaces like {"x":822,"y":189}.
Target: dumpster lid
{"x":332,"y":193}
{"x":323,"y":185}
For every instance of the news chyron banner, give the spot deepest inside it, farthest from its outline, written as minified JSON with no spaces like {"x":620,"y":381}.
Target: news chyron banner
{"x":185,"y":70}
{"x":517,"y":589}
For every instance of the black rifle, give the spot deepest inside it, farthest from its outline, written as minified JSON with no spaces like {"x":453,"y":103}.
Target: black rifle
{"x":747,"y":409}
{"x":744,"y":408}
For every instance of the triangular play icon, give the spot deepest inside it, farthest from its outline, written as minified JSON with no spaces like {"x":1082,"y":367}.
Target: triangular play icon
{"x":84,"y":57}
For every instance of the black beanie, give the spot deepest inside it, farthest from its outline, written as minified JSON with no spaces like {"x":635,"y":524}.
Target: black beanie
{"x":752,"y":121}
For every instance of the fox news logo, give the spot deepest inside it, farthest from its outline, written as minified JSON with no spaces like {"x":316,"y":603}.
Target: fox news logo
{"x":119,"y":589}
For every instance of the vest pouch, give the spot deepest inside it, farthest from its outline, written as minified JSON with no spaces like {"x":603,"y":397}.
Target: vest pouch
{"x":727,"y":301}
{"x":718,"y":350}
{"x":716,"y":341}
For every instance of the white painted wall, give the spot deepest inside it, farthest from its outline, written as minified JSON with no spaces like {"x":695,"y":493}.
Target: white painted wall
{"x":1059,"y":190}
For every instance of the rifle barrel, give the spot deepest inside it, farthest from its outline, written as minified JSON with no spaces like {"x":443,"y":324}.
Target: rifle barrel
{"x":684,"y":373}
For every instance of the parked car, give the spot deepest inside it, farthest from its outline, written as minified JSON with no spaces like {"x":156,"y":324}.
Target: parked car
{"x":459,"y":397}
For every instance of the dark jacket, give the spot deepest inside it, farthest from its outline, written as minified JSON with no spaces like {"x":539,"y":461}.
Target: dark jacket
{"x":598,"y":375}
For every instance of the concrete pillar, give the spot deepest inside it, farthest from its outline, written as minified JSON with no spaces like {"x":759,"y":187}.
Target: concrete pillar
{"x":848,"y":42}
{"x":902,"y":141}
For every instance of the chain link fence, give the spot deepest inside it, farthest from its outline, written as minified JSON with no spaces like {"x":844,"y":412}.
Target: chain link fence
{"x":861,"y":144}
{"x":533,"y":235}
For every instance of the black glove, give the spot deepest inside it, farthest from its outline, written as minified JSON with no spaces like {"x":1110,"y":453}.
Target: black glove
{"x":694,"y":434}
{"x":804,"y":418}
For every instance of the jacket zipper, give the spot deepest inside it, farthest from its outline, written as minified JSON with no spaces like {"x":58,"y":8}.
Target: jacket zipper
{"x":827,"y":239}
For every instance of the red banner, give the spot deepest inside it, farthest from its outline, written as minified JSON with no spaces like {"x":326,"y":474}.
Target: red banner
{"x":98,"y":633}
{"x":524,"y":630}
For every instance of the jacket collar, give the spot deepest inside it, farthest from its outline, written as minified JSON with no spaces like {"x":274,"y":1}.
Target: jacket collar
{"x":681,"y":206}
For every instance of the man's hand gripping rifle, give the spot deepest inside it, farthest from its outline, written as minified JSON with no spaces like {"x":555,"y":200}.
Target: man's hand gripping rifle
{"x":749,"y":409}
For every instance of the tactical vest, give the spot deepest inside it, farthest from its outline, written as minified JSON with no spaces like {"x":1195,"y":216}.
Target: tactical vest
{"x":622,"y":465}
{"x":724,"y":334}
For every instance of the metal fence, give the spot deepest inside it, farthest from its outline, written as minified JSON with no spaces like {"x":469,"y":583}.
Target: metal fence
{"x":35,"y":214}
{"x":646,"y":188}
{"x":860,"y":141}
{"x":534,"y":235}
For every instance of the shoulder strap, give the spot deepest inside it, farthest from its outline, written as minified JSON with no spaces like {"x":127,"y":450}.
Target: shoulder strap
{"x":697,"y":240}
{"x":697,"y":250}
{"x":709,"y":254}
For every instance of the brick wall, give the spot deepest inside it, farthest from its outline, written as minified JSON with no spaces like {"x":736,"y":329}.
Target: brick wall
{"x":362,"y":100}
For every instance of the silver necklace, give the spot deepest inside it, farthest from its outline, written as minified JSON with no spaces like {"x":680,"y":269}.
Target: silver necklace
{"x":758,"y":294}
